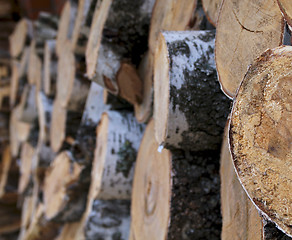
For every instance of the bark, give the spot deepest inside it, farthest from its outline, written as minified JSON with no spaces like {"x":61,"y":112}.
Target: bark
{"x":260,"y":135}
{"x":185,"y":69}
{"x":240,"y":218}
{"x":175,"y":195}
{"x":118,"y":34}
{"x":50,"y":68}
{"x":65,"y":189}
{"x":247,"y":36}
{"x":211,"y":8}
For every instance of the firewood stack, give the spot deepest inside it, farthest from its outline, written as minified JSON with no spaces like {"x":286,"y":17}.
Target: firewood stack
{"x":115,"y":122}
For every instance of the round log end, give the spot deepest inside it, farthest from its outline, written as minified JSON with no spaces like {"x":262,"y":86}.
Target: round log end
{"x":151,"y":190}
{"x":261,"y":136}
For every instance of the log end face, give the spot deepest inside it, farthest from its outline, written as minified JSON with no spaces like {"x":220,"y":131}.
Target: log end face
{"x":260,"y":135}
{"x":161,"y":90}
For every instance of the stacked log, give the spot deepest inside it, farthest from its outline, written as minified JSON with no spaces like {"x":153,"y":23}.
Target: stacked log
{"x":76,"y":159}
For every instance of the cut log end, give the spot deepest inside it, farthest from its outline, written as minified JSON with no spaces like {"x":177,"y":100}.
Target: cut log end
{"x":286,"y":9}
{"x":151,"y":190}
{"x":260,"y":135}
{"x":161,"y":93}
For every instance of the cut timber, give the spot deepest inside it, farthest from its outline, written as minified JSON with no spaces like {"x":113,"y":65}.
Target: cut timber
{"x":211,"y":8}
{"x":286,"y":9}
{"x":28,"y":112}
{"x":10,"y":215}
{"x":34,"y":67}
{"x":185,"y":69}
{"x":118,"y":139}
{"x":64,"y":194}
{"x":175,"y":195}
{"x":69,"y":231}
{"x":9,"y":173}
{"x":40,"y":228}
{"x":72,"y":88}
{"x":26,"y":157}
{"x":249,"y":33}
{"x":64,"y":126}
{"x":66,"y":25}
{"x":25,"y":215}
{"x":118,"y":34}
{"x":85,"y":142}
{"x":19,"y":38}
{"x":82,"y":26}
{"x":17,"y":83}
{"x":260,"y":135}
{"x":50,"y":68}
{"x":166,"y":15}
{"x":240,"y":217}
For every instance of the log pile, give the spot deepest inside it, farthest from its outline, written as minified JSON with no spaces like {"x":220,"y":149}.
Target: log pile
{"x":116,"y":122}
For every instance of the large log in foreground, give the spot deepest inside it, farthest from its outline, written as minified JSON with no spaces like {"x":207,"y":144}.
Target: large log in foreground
{"x":260,"y":135}
{"x":175,"y":195}
{"x":185,"y":69}
{"x":249,"y":33}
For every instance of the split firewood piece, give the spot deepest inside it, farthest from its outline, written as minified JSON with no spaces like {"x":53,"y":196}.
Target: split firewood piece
{"x":50,"y":68}
{"x":260,"y":135}
{"x":65,"y":193}
{"x":69,"y":231}
{"x":185,"y":69}
{"x":40,"y":228}
{"x":115,"y":155}
{"x":108,"y":219}
{"x":240,"y":217}
{"x":9,"y":173}
{"x":10,"y":214}
{"x":286,"y":10}
{"x":166,"y":15}
{"x":175,"y":195}
{"x":64,"y":126}
{"x":85,"y":142}
{"x":72,"y":87}
{"x":20,"y":37}
{"x":211,"y":8}
{"x":118,"y":36}
{"x":82,"y":25}
{"x":25,"y":215}
{"x":66,"y":25}
{"x":249,"y":33}
{"x":28,"y":105}
{"x":26,"y":158}
{"x":19,"y":131}
{"x":34,"y":67}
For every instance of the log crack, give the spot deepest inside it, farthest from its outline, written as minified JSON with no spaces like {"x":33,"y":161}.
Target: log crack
{"x":242,"y":26}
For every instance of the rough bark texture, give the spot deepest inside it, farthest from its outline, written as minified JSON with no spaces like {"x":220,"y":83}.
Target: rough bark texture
{"x":185,"y":69}
{"x":260,"y":135}
{"x":248,"y":34}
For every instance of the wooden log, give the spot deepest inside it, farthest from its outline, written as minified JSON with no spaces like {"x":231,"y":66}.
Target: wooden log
{"x":64,"y":190}
{"x":28,"y":105}
{"x":115,"y":155}
{"x":112,"y":44}
{"x":260,"y":135}
{"x":72,"y":88}
{"x":240,"y":218}
{"x":69,"y":231}
{"x":286,"y":10}
{"x":10,"y":215}
{"x":50,"y":68}
{"x":9,"y":173}
{"x":34,"y":75}
{"x":17,"y":83}
{"x":26,"y":213}
{"x":211,"y":8}
{"x":20,"y":37}
{"x":40,"y":228}
{"x":175,"y":195}
{"x":66,"y":25}
{"x":26,"y":158}
{"x":62,"y":134}
{"x":166,"y":15}
{"x":185,"y":69}
{"x":249,"y":33}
